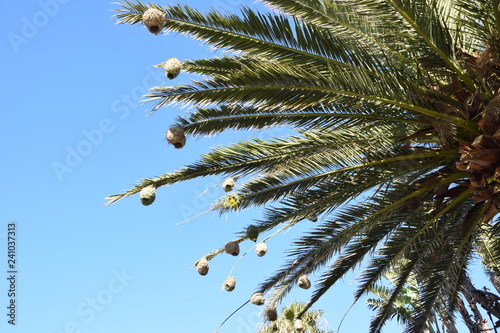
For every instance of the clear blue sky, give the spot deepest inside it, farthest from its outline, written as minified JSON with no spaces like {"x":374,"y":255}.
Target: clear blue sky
{"x":72,"y":132}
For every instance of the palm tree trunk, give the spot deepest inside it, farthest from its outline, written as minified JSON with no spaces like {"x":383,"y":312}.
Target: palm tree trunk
{"x":487,"y":300}
{"x":466,"y":317}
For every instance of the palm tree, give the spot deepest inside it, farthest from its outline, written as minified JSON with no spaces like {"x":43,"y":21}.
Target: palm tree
{"x":312,"y":320}
{"x":405,"y":303}
{"x":395,"y":109}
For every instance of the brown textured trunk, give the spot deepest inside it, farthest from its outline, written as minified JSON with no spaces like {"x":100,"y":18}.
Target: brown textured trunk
{"x":473,"y":328}
{"x":487,"y":300}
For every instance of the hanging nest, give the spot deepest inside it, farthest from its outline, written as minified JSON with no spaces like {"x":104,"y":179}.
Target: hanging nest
{"x":312,"y":217}
{"x":257,"y":299}
{"x":228,"y":184}
{"x":298,"y":325}
{"x":230,"y":283}
{"x":261,"y":249}
{"x":232,"y":248}
{"x":154,"y":19}
{"x":229,"y":202}
{"x":252,"y":232}
{"x":148,"y":195}
{"x":175,"y":136}
{"x":304,"y":282}
{"x":271,"y":313}
{"x":202,"y":266}
{"x":172,"y":67}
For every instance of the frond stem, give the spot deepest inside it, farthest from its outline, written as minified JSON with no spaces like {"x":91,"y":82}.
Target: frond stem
{"x":387,"y":160}
{"x":215,"y":30}
{"x":470,"y":126}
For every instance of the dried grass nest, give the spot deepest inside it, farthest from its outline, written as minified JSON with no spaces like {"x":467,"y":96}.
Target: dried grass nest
{"x":230,"y":283}
{"x":257,"y":299}
{"x":154,"y":20}
{"x":172,"y":67}
{"x":261,"y":249}
{"x":176,"y":137}
{"x":148,"y":195}
{"x":271,"y":313}
{"x":202,"y":266}
{"x":228,"y":184}
{"x":298,"y":325}
{"x":232,"y":248}
{"x":304,"y":282}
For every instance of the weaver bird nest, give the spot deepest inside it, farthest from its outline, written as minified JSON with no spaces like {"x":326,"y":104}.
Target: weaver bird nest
{"x":176,"y":137}
{"x":202,"y":266}
{"x":304,"y":282}
{"x":298,"y":325}
{"x":228,"y":184}
{"x":154,"y":19}
{"x":257,"y":299}
{"x":271,"y":313}
{"x":148,"y":195}
{"x":232,"y":248}
{"x":230,"y":283}
{"x":261,"y":249}
{"x":172,"y":68}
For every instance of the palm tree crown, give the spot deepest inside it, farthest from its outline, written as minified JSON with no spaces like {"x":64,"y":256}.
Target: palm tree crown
{"x":395,"y":106}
